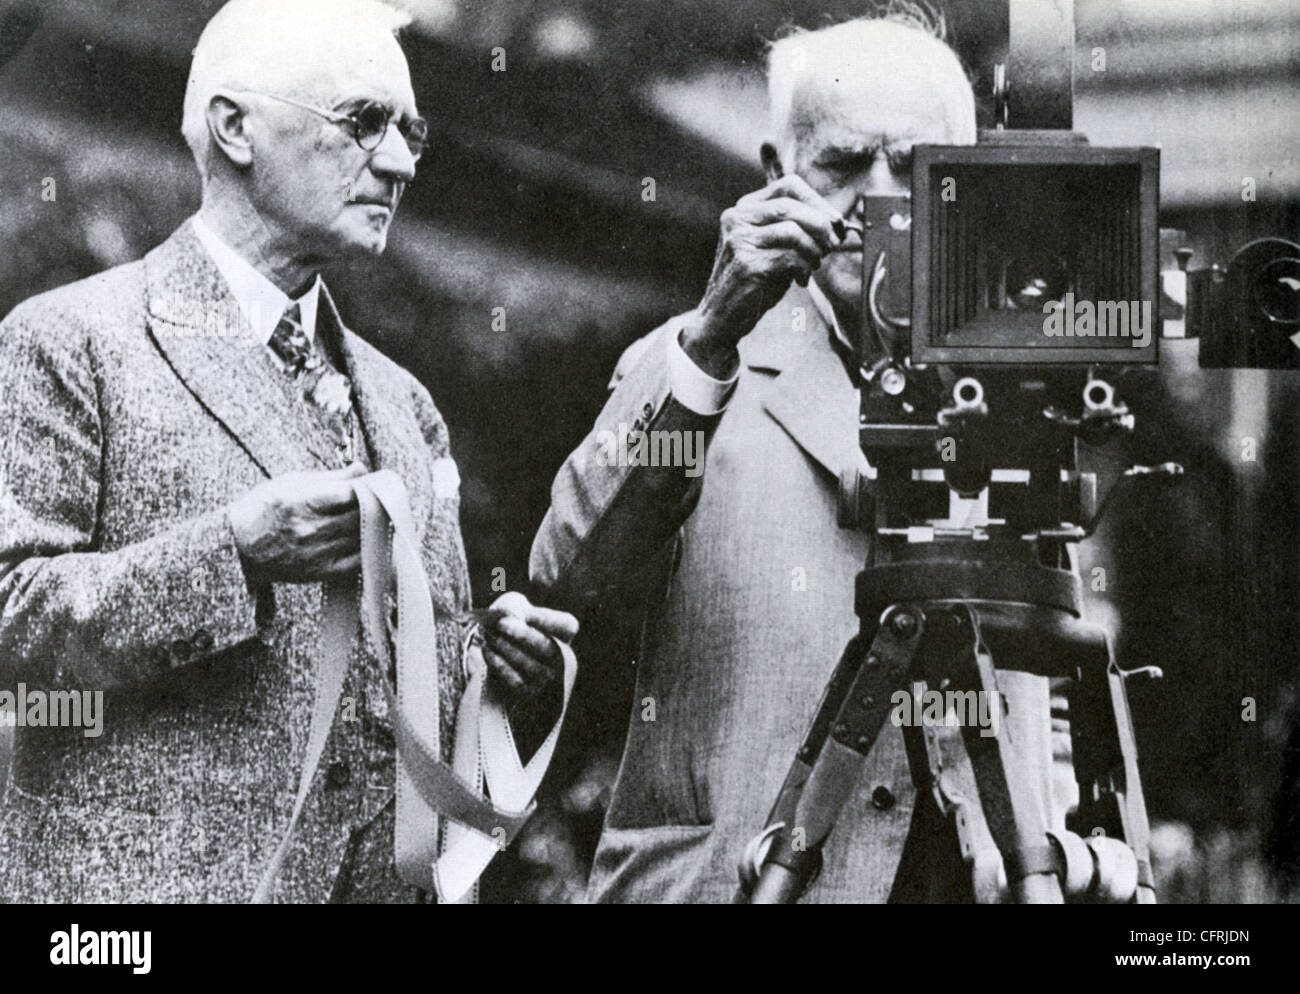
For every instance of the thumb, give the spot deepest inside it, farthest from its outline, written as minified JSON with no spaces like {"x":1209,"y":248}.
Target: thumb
{"x":513,"y":602}
{"x":559,"y":624}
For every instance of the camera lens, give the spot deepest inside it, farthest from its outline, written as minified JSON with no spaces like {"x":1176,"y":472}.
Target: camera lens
{"x":1252,"y":324}
{"x":1277,"y":291}
{"x":1033,"y":279}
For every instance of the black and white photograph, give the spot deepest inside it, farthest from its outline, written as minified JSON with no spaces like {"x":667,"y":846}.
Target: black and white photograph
{"x":651,"y":452}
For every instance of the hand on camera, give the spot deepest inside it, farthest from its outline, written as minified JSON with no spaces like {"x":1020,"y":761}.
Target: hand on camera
{"x":769,"y":238}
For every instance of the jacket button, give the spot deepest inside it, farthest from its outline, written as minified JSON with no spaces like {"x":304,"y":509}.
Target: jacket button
{"x":882,"y":798}
{"x":202,"y":640}
{"x":182,"y":650}
{"x":337,"y":776}
{"x":648,"y":411}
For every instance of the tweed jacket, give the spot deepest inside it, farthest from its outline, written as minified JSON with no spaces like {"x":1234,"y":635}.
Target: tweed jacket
{"x":744,"y":622}
{"x":130,"y":421}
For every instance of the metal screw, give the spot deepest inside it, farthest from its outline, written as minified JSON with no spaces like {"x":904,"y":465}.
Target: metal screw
{"x":904,"y":624}
{"x":892,"y":381}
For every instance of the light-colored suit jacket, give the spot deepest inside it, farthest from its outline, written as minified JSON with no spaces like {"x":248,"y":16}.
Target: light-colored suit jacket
{"x":130,"y":420}
{"x":745,"y":622}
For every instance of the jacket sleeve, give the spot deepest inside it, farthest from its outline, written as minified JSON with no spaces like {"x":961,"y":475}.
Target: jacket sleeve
{"x":611,"y":516}
{"x":72,"y":615}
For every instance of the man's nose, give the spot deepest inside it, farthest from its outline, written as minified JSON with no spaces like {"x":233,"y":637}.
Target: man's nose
{"x":393,"y":158}
{"x":881,"y":180}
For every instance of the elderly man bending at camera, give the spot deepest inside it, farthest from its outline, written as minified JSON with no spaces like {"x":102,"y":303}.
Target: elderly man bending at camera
{"x":742,"y":575}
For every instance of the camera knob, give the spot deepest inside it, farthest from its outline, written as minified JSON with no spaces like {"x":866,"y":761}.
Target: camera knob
{"x":892,"y":381}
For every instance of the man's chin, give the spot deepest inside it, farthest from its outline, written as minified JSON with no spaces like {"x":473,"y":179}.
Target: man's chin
{"x":365,"y":243}
{"x":842,"y":286}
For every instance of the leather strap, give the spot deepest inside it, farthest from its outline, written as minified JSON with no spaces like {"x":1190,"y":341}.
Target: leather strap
{"x":428,"y":790}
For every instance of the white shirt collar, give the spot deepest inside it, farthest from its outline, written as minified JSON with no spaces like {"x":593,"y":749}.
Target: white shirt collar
{"x":261,"y":301}
{"x":824,"y":308}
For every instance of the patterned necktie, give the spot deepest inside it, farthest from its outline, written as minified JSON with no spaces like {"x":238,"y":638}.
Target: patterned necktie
{"x":320,"y":382}
{"x":315,"y":378}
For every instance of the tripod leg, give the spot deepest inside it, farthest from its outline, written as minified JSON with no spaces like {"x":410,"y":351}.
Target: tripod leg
{"x":1137,"y":829}
{"x":859,"y":700}
{"x":786,"y":884}
{"x":938,"y":861}
{"x":1009,"y":791}
{"x":1105,"y":756}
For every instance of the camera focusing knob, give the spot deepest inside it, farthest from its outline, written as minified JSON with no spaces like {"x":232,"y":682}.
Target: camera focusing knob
{"x":892,"y":380}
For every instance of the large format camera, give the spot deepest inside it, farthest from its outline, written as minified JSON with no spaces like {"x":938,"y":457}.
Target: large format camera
{"x":1034,"y":253}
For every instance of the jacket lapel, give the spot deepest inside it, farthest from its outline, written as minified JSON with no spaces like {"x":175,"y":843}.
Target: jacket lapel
{"x":198,"y":326}
{"x":386,"y":410}
{"x":811,"y":397}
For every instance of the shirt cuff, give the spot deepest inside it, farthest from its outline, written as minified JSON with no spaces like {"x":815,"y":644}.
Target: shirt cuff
{"x":695,"y":389}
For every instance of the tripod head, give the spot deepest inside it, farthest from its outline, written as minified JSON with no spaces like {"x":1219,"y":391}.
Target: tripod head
{"x":968,"y":455}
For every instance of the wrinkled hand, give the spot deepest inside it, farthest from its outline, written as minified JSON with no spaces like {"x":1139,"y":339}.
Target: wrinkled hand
{"x":769,"y":238}
{"x":518,"y":647}
{"x":299,"y":527}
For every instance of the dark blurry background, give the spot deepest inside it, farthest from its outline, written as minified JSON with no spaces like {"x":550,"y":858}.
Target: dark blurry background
{"x":531,"y":199}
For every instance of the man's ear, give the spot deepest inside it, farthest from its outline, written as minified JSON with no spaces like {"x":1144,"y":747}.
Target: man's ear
{"x":771,"y":160}
{"x":228,"y":126}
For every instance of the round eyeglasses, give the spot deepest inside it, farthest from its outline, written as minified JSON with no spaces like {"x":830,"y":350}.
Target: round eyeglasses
{"x":368,"y":123}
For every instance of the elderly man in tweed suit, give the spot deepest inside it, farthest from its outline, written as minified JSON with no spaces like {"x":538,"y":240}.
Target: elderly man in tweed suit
{"x":179,"y":437}
{"x":753,"y":602}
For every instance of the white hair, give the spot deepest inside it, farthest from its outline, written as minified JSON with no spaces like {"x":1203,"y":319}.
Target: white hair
{"x":248,"y":44}
{"x":842,"y":48}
